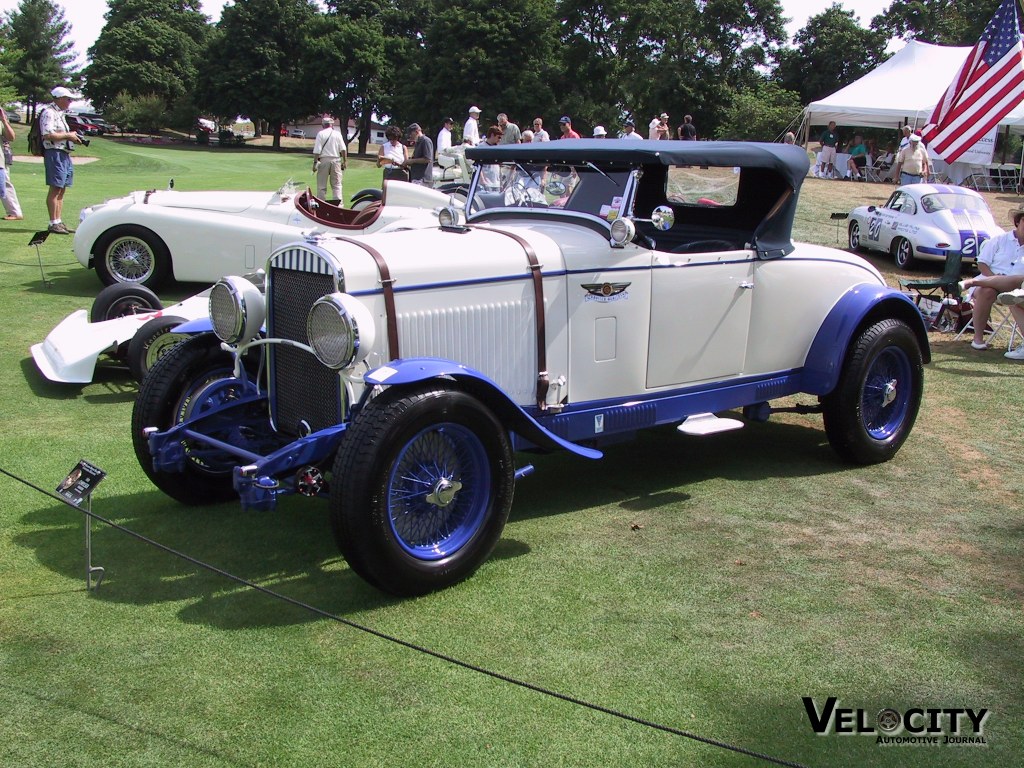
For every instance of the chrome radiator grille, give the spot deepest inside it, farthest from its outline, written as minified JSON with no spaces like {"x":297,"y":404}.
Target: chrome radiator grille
{"x":302,"y":390}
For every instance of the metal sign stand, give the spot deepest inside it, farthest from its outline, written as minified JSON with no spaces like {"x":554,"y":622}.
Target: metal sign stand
{"x":90,"y":569}
{"x":38,"y":239}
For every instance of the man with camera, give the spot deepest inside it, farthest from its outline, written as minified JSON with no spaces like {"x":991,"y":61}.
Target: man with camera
{"x":58,"y":141}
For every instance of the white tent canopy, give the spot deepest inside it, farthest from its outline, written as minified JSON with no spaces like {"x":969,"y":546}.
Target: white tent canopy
{"x":903,"y":89}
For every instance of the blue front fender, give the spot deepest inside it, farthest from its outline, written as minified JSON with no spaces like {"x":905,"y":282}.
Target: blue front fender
{"x":418,"y":369}
{"x":855,"y":310}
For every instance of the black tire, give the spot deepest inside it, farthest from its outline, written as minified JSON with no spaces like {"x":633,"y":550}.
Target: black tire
{"x":132,"y":254}
{"x":436,"y":438}
{"x":192,"y":375}
{"x":870,"y":413}
{"x":151,"y":342}
{"x":854,"y":239}
{"x":120,"y":300}
{"x":903,"y":253}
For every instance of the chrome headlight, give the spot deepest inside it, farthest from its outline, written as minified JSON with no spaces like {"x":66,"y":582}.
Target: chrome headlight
{"x":340,"y":330}
{"x":449,"y":216}
{"x":622,"y":232}
{"x":237,"y":309}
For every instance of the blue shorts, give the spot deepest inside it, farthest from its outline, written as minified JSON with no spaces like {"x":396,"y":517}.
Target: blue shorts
{"x":59,"y":171}
{"x":3,"y":183}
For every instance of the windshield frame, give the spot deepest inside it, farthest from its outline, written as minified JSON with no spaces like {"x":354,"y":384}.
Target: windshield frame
{"x":622,"y":178}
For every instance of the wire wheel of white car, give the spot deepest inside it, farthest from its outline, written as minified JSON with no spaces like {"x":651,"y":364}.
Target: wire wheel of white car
{"x":870,"y":413}
{"x":151,"y":342}
{"x":854,"y":236}
{"x":422,"y":487}
{"x":192,"y":377}
{"x":903,"y":252}
{"x":132,"y":254}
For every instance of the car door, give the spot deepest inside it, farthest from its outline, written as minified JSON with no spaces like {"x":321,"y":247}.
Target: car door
{"x":884,"y":222}
{"x":700,"y":316}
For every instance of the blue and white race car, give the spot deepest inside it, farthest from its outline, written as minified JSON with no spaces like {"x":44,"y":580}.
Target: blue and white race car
{"x":924,"y":222}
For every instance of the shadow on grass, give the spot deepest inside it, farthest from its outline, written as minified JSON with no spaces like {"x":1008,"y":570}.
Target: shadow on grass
{"x":146,"y":734}
{"x":112,"y":383}
{"x":293,"y":551}
{"x":648,"y":472}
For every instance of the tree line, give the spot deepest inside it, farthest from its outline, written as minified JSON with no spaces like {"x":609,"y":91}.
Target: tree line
{"x":161,"y":63}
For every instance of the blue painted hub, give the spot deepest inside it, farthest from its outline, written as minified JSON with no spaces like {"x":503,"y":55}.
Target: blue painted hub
{"x":886,"y":395}
{"x":438,"y":491}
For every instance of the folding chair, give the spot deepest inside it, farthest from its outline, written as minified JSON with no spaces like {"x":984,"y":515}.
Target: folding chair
{"x":999,"y":313}
{"x":953,"y":313}
{"x":878,"y":171}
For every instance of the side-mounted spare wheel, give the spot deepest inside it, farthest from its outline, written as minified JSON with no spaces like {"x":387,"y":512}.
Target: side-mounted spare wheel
{"x":870,"y":413}
{"x":422,"y":488}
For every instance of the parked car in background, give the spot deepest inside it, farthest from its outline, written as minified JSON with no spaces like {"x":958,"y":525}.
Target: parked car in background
{"x":924,"y":222}
{"x":297,"y":133}
{"x":152,"y":237}
{"x":597,"y":289}
{"x":13,"y":115}
{"x":82,"y":126}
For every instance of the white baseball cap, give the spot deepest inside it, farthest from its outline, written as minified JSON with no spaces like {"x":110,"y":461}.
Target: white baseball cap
{"x":60,"y":92}
{"x":600,"y":131}
{"x":474,"y":109}
{"x":914,"y":137}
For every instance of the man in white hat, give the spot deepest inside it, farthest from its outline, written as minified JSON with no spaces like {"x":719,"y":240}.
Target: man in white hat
{"x":471,"y":130}
{"x":58,"y":141}
{"x":329,"y":160}
{"x":912,"y":162}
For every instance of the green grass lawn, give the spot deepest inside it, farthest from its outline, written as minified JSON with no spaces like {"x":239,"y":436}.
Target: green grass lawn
{"x":703,"y":584}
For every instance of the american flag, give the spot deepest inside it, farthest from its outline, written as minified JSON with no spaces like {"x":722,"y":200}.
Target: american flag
{"x":989,"y":84}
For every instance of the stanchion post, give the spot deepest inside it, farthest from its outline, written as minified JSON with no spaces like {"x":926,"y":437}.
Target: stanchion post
{"x":90,"y":569}
{"x":38,"y":239}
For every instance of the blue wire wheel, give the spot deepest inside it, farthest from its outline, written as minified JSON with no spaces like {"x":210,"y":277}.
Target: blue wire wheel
{"x":438,"y":491}
{"x":887,"y":393}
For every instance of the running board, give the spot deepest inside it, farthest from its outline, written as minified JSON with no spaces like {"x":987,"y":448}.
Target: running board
{"x":707,"y":424}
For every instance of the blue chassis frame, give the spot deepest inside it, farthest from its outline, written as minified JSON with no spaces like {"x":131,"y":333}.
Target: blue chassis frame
{"x":257,"y":479}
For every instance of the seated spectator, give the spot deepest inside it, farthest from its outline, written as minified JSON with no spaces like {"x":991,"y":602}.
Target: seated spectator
{"x":858,"y":159}
{"x":1001,"y":257}
{"x":1010,"y":292}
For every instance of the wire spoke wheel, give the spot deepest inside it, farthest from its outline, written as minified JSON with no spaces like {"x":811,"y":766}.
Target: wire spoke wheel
{"x":886,"y":395}
{"x":435,"y":492}
{"x":421,"y":488}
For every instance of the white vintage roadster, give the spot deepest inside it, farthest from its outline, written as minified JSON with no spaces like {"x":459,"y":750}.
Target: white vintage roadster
{"x":154,"y":236}
{"x":598,"y":288}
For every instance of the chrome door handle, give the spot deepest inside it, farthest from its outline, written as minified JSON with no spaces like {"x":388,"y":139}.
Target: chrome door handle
{"x":745,"y":285}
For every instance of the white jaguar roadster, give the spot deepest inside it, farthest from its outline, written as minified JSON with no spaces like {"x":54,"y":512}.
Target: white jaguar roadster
{"x":152,"y":237}
{"x":596,"y":289}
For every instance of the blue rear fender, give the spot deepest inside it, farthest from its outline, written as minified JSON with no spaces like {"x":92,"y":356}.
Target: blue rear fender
{"x":414,"y":370}
{"x":857,"y":309}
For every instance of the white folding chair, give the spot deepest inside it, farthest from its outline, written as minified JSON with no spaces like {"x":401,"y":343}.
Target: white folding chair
{"x":999,"y":319}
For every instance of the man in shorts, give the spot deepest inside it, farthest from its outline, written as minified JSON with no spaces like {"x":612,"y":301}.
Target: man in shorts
{"x":829,"y":137}
{"x":58,"y":141}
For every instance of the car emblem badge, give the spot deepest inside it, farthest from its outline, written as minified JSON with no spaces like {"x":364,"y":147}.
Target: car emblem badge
{"x":605,"y":292}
